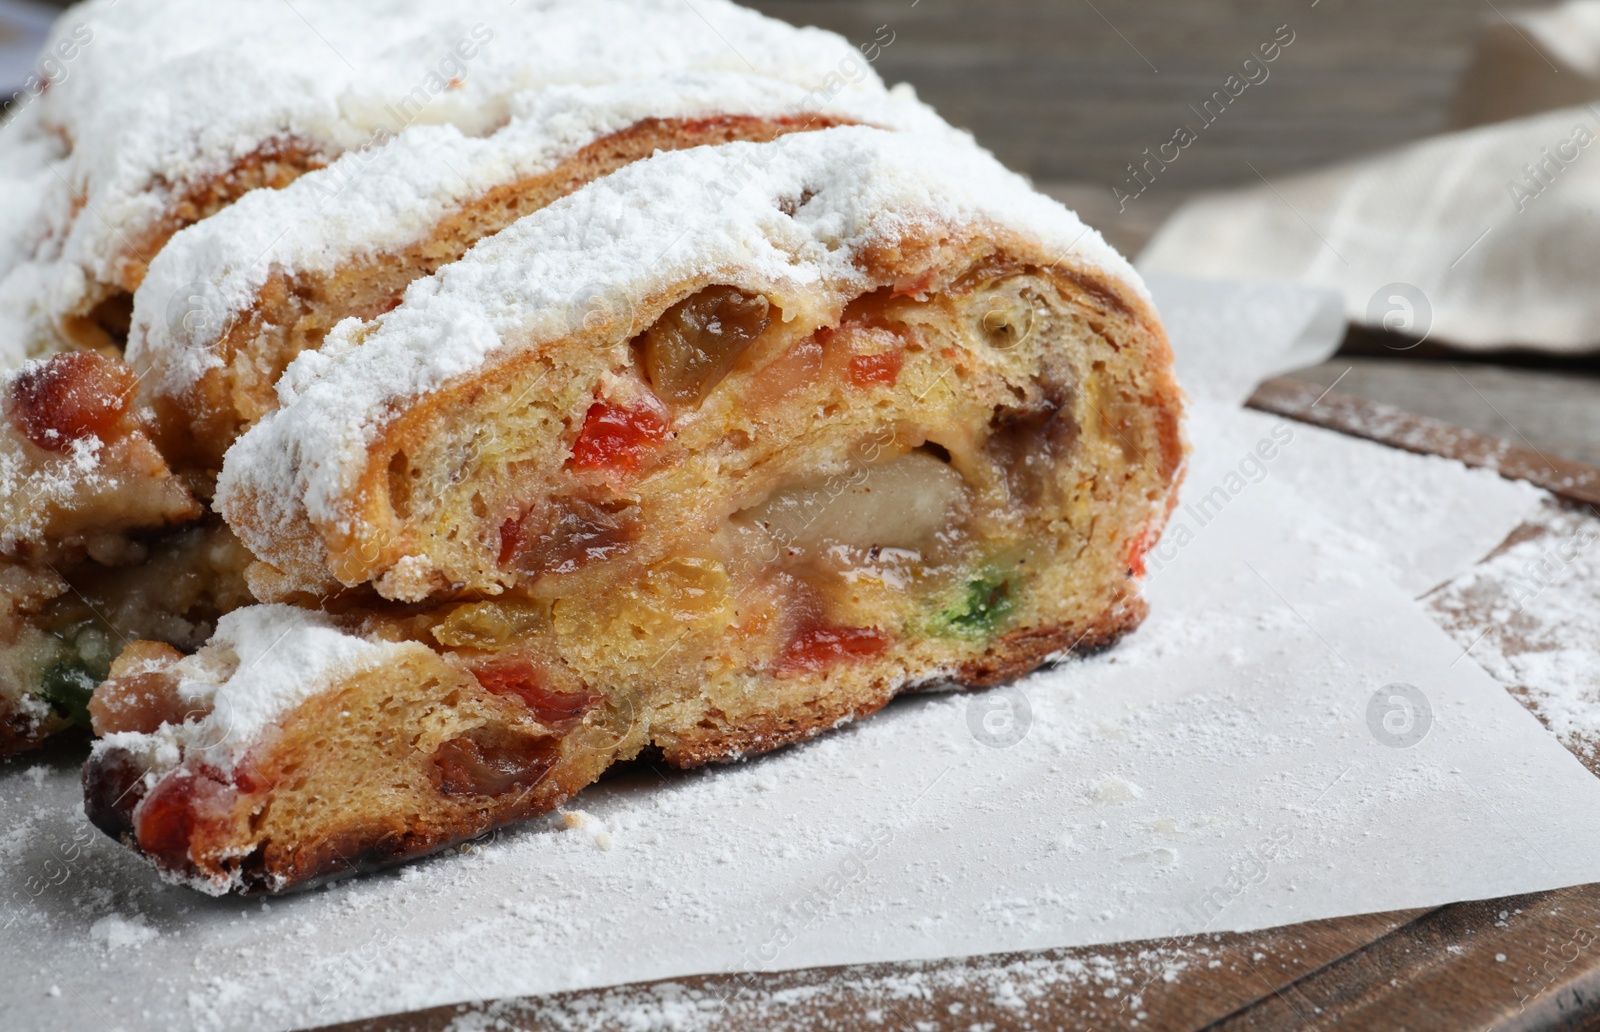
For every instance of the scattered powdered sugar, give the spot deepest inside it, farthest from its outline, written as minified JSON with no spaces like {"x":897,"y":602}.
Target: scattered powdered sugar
{"x":734,"y":211}
{"x":1004,"y":988}
{"x":1112,"y":791}
{"x":585,"y":823}
{"x":117,"y":932}
{"x":164,"y":94}
{"x":378,"y":200}
{"x":1530,"y":615}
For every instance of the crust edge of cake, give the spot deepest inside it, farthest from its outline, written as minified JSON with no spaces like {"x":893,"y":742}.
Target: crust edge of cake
{"x":112,"y":774}
{"x":1010,"y":658}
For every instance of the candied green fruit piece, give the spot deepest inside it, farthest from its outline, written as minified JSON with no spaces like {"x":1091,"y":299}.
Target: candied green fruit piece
{"x":67,"y":686}
{"x":983,"y":605}
{"x":82,"y":661}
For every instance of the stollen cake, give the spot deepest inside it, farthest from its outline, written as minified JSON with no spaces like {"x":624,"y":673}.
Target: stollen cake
{"x":864,"y":414}
{"x":266,"y":279}
{"x":169,"y":110}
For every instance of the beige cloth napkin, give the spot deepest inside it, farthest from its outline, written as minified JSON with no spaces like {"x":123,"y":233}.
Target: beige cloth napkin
{"x":1484,"y":238}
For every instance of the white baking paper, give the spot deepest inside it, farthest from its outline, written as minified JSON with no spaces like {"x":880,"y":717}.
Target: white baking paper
{"x":1229,"y":336}
{"x":1419,"y":520}
{"x":1288,"y":737}
{"x":1406,"y":509}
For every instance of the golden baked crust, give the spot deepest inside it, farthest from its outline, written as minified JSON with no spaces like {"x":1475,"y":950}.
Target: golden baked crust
{"x":295,"y":308}
{"x":371,"y":770}
{"x":1013,"y":656}
{"x":101,"y":318}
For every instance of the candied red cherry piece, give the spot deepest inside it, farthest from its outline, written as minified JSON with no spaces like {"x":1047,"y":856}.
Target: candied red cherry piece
{"x":617,"y":438}
{"x":70,"y":397}
{"x":521,"y":679}
{"x":881,"y":370}
{"x":820,"y":646}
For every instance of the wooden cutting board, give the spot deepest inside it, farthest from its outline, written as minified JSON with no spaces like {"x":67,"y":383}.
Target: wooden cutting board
{"x":1517,"y":964}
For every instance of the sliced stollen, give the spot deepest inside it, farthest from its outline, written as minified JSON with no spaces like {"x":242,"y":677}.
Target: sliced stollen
{"x":377,"y":469}
{"x":871,"y":415}
{"x":297,"y":747}
{"x":166,"y":112}
{"x":98,"y":543}
{"x":172,"y":109}
{"x":231,"y":300}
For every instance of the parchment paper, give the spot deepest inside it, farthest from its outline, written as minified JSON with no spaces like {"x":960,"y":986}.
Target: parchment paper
{"x":1288,"y":737}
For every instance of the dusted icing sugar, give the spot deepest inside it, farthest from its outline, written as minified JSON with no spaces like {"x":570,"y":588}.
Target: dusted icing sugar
{"x":261,"y":663}
{"x":792,"y":213}
{"x":379,"y":200}
{"x":30,"y":490}
{"x":164,"y":94}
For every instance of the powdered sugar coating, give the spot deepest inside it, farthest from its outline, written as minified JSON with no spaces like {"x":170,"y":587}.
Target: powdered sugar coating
{"x":1528,"y":616}
{"x":262,"y":662}
{"x":164,"y":93}
{"x":26,"y":160}
{"x":31,"y":493}
{"x":704,"y":212}
{"x":378,"y":200}
{"x":28,"y":172}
